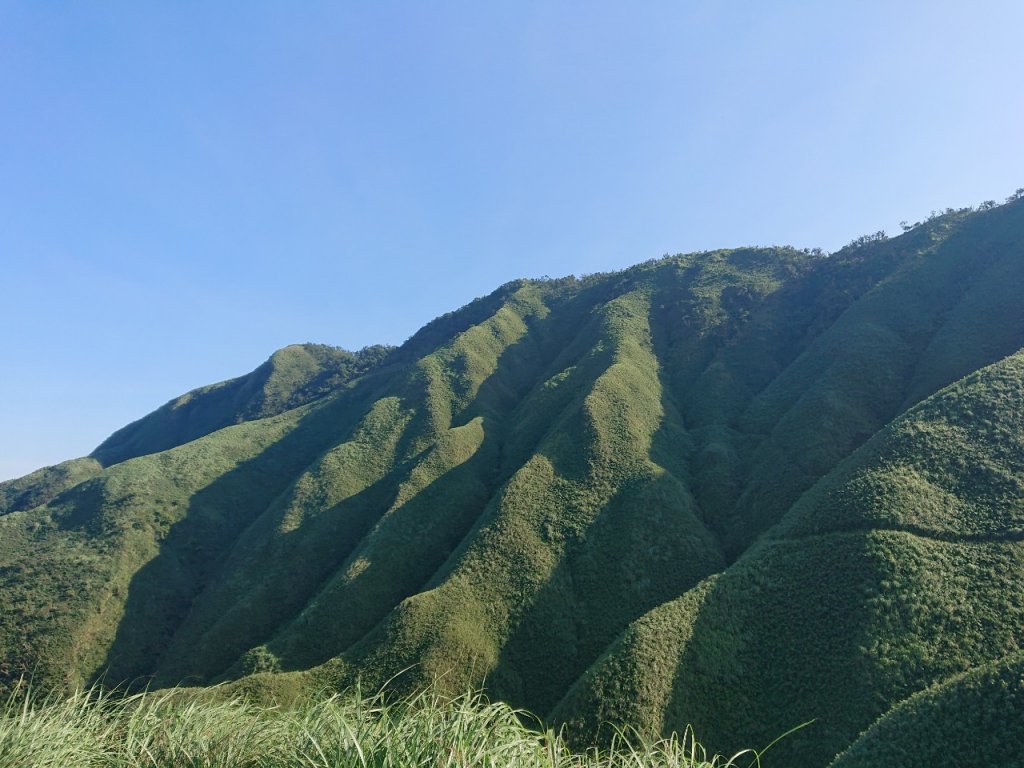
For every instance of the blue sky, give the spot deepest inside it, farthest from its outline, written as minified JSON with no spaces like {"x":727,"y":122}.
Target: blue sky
{"x":186,"y":187}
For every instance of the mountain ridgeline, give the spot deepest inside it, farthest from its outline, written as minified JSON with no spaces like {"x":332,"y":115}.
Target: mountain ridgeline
{"x":738,"y":489}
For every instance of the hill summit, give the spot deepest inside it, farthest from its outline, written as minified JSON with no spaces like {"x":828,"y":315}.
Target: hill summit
{"x":738,"y":489}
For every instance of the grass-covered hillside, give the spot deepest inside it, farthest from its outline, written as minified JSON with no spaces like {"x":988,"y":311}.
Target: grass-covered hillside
{"x":738,"y":489}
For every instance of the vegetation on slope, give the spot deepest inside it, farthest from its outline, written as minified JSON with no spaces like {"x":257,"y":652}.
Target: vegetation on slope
{"x":43,"y":485}
{"x":973,"y":719}
{"x":763,"y":471}
{"x":293,"y":376}
{"x":900,"y":568}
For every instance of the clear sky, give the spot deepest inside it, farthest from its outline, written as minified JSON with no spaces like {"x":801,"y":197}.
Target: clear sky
{"x":186,"y":187}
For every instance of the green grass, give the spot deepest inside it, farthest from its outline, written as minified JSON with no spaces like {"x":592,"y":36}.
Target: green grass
{"x":43,"y":485}
{"x":293,"y":376}
{"x":971,"y":720}
{"x":176,"y":729}
{"x":899,"y":569}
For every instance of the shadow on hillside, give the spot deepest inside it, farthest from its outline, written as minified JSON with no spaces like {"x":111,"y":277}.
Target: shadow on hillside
{"x":391,"y":558}
{"x":512,"y":434}
{"x":783,"y":638}
{"x":161,"y":593}
{"x":419,"y":543}
{"x":642,"y":548}
{"x":265,"y":579}
{"x":644,"y":545}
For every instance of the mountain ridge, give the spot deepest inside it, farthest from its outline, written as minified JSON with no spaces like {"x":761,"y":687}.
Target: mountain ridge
{"x":584,"y":492}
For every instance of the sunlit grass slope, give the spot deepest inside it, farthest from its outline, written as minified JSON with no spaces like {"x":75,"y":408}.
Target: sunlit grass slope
{"x":740,"y":489}
{"x":291,"y":377}
{"x":44,"y":484}
{"x":901,"y":567}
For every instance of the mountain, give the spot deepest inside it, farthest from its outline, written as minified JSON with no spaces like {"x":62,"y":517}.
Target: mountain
{"x":741,"y":489}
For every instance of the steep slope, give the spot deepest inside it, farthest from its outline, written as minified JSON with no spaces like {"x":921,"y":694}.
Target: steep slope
{"x":975,"y":720}
{"x":741,"y":489}
{"x":293,"y":376}
{"x":44,"y":484}
{"x":903,"y":566}
{"x":247,"y":550}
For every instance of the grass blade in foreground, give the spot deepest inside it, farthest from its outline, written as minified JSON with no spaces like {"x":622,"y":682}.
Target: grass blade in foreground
{"x":173,"y":728}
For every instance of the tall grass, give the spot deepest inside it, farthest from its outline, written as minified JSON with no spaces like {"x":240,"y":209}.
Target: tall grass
{"x":174,"y":729}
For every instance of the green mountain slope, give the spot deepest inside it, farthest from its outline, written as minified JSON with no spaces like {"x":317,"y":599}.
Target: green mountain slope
{"x":740,"y":489}
{"x":293,"y":376}
{"x":975,"y":719}
{"x":901,"y":567}
{"x":45,"y":484}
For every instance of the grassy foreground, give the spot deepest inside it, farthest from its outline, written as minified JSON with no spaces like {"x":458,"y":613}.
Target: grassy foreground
{"x":168,"y":729}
